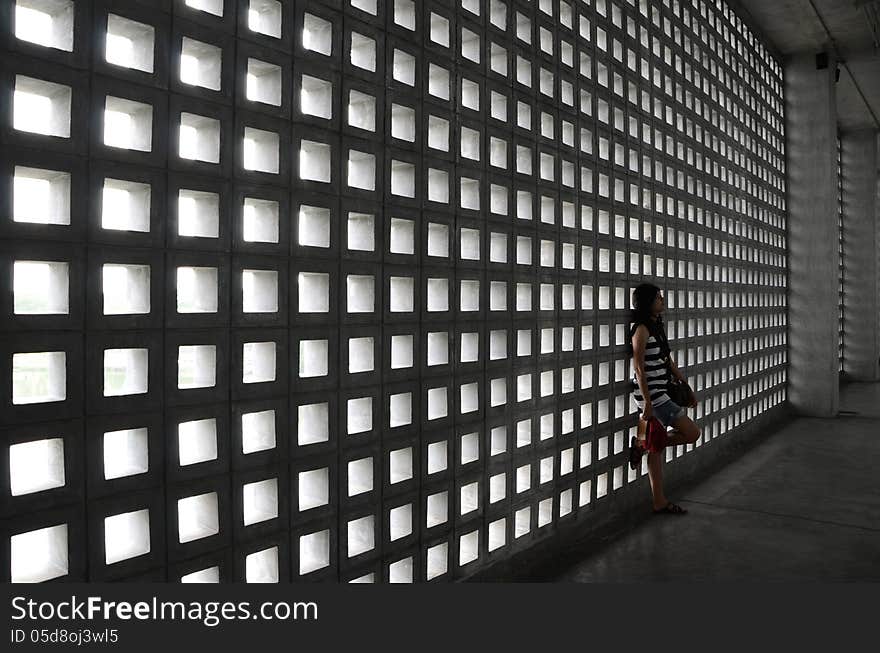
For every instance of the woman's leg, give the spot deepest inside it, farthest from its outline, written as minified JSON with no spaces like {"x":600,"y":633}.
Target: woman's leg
{"x":655,"y":474}
{"x":684,"y":431}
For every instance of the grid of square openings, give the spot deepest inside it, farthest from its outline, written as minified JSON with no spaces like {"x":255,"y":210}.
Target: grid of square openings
{"x":338,"y":290}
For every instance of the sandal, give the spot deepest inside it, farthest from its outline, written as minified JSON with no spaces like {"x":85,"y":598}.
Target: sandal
{"x":671,"y":509}
{"x":635,"y":453}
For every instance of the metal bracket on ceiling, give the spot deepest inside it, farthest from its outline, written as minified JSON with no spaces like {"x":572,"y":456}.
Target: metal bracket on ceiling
{"x":874,"y":4}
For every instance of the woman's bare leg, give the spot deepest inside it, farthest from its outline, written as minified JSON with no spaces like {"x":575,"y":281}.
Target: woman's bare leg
{"x":685,"y":431}
{"x":655,"y":474}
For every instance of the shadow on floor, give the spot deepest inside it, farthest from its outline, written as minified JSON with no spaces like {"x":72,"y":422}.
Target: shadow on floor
{"x":801,"y":505}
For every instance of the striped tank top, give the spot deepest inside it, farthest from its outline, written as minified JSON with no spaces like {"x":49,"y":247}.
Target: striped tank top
{"x":656,"y":374}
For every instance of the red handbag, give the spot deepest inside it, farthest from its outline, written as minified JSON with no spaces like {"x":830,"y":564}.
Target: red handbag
{"x":655,"y":438}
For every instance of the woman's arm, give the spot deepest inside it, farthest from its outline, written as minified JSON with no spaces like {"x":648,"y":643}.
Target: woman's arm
{"x":678,"y":375}
{"x":639,"y":340}
{"x":674,"y":368}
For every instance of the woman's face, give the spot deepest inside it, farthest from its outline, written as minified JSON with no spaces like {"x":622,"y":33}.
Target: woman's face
{"x":658,"y":305}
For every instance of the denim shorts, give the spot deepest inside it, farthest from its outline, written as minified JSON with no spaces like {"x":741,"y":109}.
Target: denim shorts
{"x":668,"y":412}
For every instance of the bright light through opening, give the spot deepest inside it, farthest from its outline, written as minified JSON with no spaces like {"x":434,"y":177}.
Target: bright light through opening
{"x":129,"y":43}
{"x":197,"y":441}
{"x":41,"y":196}
{"x":126,"y":535}
{"x":126,"y":372}
{"x":198,"y":214}
{"x":125,"y":205}
{"x":189,"y":69}
{"x":45,"y":22}
{"x":197,"y":290}
{"x":126,"y":289}
{"x":117,"y":203}
{"x":125,"y":453}
{"x":210,"y":6}
{"x":117,"y":129}
{"x":189,"y":142}
{"x":40,"y":288}
{"x":31,"y":199}
{"x":264,"y":16}
{"x":36,"y":466}
{"x":120,"y":50}
{"x":41,"y":107}
{"x":33,"y":25}
{"x":39,"y":377}
{"x":39,"y":555}
{"x":32,"y":111}
{"x":260,"y":221}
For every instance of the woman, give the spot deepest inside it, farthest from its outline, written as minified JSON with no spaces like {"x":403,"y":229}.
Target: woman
{"x":650,"y":354}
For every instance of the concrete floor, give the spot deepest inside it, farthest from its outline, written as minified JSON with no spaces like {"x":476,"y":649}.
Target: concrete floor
{"x":802,"y":505}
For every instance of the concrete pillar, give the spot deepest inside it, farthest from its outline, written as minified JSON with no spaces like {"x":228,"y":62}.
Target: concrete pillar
{"x":861,"y":242}
{"x":811,"y":152}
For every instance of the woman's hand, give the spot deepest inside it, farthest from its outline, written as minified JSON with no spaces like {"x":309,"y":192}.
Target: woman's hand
{"x":648,"y":412}
{"x":692,"y":403}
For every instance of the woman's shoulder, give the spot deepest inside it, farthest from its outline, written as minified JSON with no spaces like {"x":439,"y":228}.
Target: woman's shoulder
{"x":635,"y":326}
{"x":653,"y":331}
{"x":647,"y":322}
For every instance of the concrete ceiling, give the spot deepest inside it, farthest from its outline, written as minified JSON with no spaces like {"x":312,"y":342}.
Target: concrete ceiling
{"x":848,"y":27}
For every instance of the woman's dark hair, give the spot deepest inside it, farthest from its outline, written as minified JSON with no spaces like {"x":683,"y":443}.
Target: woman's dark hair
{"x":643,"y":297}
{"x":642,"y":300}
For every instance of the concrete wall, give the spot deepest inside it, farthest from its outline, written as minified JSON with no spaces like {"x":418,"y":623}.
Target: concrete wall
{"x":434,"y":286}
{"x":860,"y":250}
{"x":811,"y":149}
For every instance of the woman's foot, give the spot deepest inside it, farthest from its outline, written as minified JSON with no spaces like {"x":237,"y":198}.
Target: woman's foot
{"x":670,"y":509}
{"x":635,"y":452}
